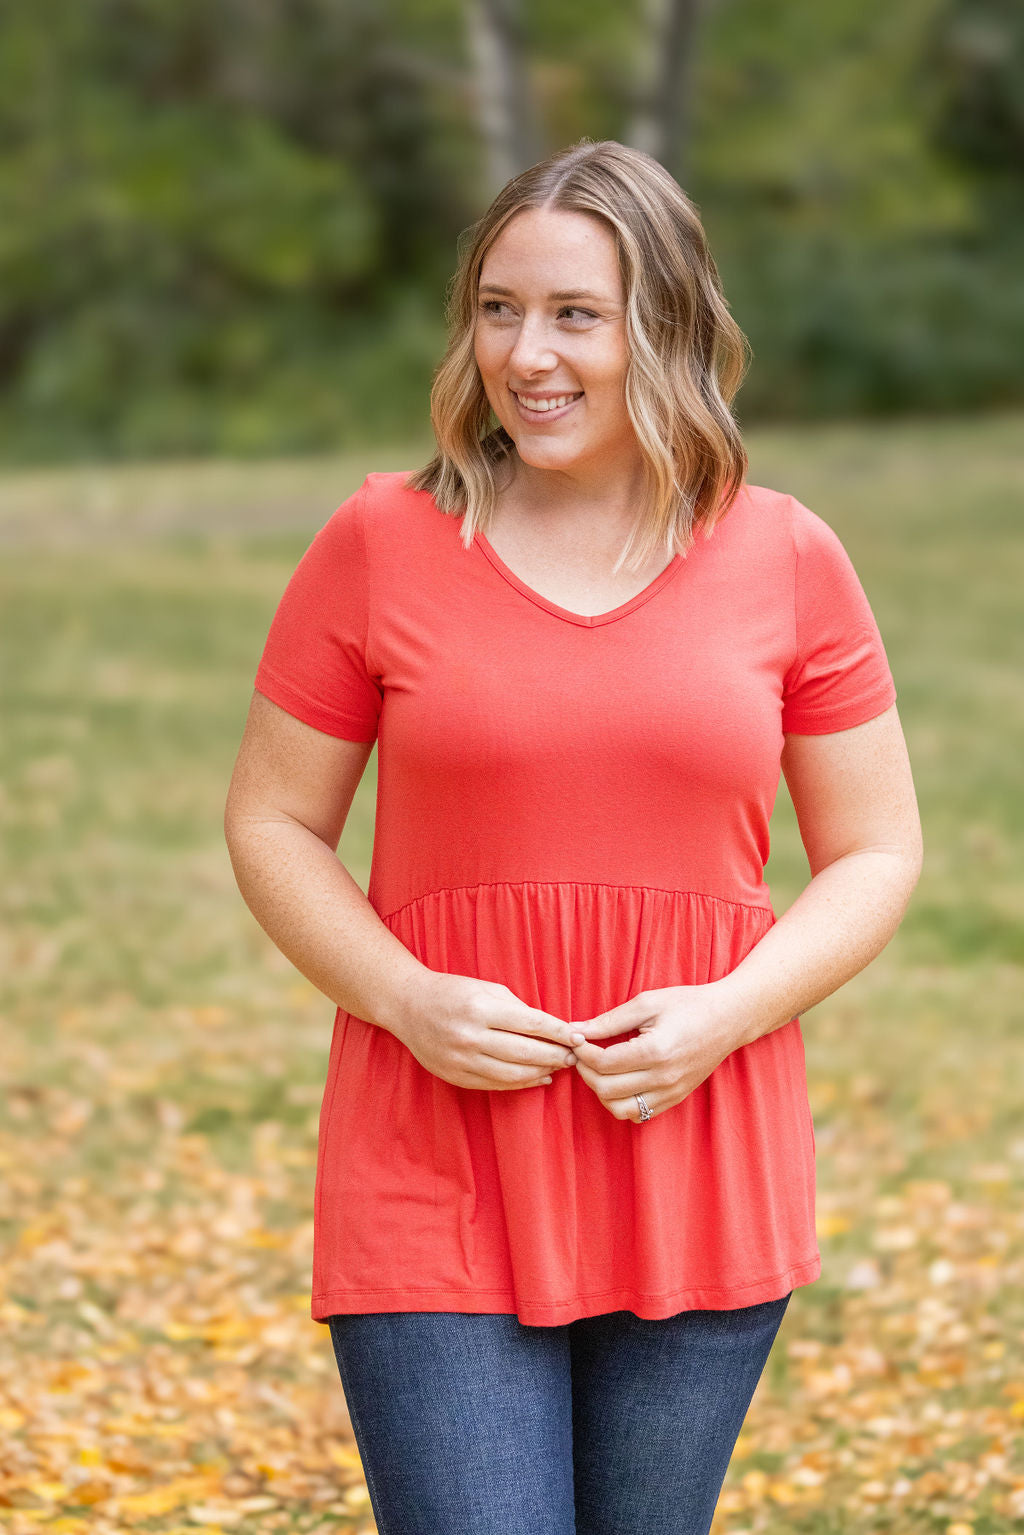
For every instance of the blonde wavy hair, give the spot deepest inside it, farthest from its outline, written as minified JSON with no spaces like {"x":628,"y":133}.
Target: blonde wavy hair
{"x":686,"y":355}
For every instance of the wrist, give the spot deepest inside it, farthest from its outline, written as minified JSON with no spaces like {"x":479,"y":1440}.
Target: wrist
{"x":742,"y":1011}
{"x":406,"y":1000}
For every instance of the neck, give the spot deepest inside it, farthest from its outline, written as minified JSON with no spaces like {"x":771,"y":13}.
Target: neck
{"x":561,"y":499}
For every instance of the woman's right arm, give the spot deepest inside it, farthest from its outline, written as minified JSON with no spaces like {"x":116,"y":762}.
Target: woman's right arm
{"x":290,"y":794}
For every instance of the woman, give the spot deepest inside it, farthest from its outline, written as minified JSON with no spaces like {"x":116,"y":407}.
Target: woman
{"x":565,"y":1182}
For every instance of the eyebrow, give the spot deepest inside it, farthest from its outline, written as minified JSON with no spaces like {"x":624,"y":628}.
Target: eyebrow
{"x":562,"y":293}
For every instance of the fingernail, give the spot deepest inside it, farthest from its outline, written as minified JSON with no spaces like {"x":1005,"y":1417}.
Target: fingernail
{"x":545,"y":1079}
{"x":570,"y":1060}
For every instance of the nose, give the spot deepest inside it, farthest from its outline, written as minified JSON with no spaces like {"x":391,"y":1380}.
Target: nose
{"x":532,"y":351}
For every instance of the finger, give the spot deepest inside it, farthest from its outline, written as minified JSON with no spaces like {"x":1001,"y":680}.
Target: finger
{"x":533,"y":1020}
{"x":628,"y":1108}
{"x":515,"y":1074}
{"x":640,"y":1054}
{"x":481,"y":1083}
{"x":617,"y":1020}
{"x":523,"y":1050}
{"x":623,"y":1086}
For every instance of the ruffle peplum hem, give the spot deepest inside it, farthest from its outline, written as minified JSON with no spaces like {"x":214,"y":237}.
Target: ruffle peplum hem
{"x":537,"y":1201}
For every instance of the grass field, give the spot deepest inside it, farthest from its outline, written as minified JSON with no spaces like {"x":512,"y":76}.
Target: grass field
{"x":162,"y":1063}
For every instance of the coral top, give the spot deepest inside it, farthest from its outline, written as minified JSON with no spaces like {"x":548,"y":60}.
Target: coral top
{"x":577,"y":807}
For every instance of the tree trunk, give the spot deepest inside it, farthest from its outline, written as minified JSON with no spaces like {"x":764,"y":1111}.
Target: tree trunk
{"x":504,"y":102}
{"x":661,"y":119}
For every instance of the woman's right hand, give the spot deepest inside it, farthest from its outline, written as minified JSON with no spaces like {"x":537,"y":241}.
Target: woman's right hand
{"x":476,"y":1033}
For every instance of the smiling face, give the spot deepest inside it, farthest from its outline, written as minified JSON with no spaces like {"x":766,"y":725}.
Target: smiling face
{"x":550,"y":343}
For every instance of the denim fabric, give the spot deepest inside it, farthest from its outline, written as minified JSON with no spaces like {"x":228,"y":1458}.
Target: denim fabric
{"x":474,"y":1424}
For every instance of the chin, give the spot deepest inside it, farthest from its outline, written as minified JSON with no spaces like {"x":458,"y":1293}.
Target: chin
{"x":549,"y":455}
{"x":538,"y":459}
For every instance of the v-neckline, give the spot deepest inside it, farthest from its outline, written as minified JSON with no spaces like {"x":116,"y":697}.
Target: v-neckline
{"x":585,"y":620}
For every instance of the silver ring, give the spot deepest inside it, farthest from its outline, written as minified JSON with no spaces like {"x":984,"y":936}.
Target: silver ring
{"x":645,"y":1112}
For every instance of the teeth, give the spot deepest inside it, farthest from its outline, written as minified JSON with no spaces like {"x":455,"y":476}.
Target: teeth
{"x":544,"y":405}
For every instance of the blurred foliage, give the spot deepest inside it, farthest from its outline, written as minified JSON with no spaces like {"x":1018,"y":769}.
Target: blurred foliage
{"x":226,"y":226}
{"x":863,"y":249}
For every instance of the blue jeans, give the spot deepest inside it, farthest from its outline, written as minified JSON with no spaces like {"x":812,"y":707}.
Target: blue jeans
{"x":475,"y":1424}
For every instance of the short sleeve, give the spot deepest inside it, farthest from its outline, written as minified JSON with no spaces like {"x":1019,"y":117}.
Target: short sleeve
{"x":314,"y":659}
{"x":840,"y":674}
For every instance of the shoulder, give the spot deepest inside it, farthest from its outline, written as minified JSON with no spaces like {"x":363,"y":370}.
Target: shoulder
{"x":780,"y":512}
{"x":385,"y":495}
{"x":775,"y":521}
{"x":381,"y":505}
{"x":754,"y":536}
{"x":399,"y":532}
{"x":391,"y":514}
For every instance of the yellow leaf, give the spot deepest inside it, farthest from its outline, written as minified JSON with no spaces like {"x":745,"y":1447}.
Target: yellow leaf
{"x":162,"y":1500}
{"x":210,"y":1017}
{"x":11,"y":1418}
{"x":732,"y":1501}
{"x":345,"y":1455}
{"x":754,"y":1484}
{"x":356,"y":1499}
{"x":231,"y":1328}
{"x":69,"y":1375}
{"x":92,"y":1491}
{"x":149,"y":1505}
{"x":181,"y":1330}
{"x":36,"y":1234}
{"x":50,"y":1492}
{"x":88,"y":1455}
{"x":130,"y":1424}
{"x":261,"y":1238}
{"x":213,"y":1517}
{"x":828,"y":1225}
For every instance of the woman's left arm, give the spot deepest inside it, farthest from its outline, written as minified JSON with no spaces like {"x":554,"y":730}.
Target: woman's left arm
{"x":853,"y":793}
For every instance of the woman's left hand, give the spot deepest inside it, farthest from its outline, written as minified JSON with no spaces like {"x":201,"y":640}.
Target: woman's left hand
{"x":685,"y":1032}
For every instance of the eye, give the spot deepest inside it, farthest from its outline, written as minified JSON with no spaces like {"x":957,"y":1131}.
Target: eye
{"x":491,"y":306}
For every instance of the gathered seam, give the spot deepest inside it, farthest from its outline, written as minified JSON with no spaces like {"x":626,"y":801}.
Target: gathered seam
{"x":570,"y":884}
